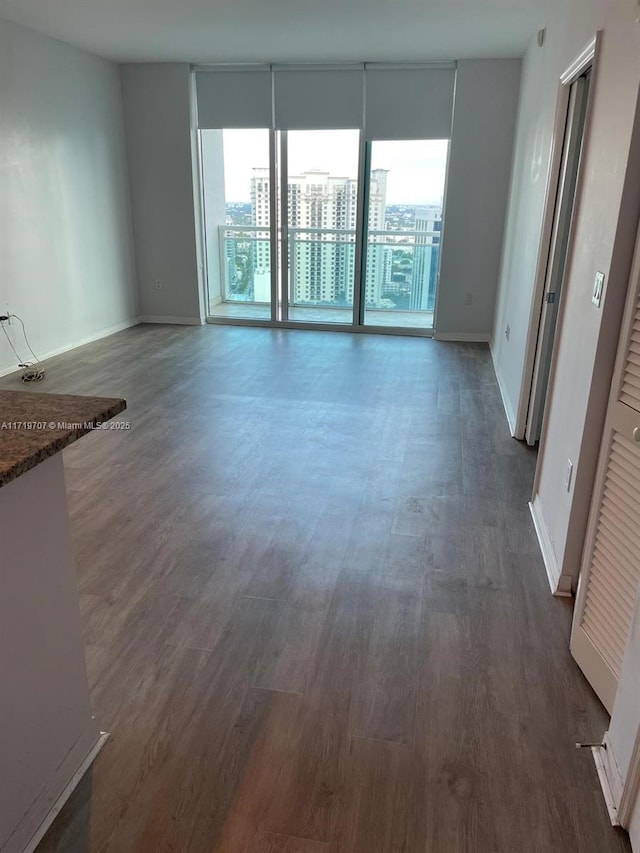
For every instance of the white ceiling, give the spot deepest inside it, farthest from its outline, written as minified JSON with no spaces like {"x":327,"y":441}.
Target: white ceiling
{"x":286,"y":30}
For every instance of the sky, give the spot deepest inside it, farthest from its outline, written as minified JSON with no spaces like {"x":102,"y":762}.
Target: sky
{"x":416,"y":168}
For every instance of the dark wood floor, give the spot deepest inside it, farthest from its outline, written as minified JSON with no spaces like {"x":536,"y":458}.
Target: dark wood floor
{"x":316,"y":616}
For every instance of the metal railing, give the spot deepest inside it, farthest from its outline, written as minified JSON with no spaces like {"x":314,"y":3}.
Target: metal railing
{"x":245,"y":257}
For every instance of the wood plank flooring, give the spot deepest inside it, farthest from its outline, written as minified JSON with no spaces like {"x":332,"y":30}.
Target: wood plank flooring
{"x":316,"y":616}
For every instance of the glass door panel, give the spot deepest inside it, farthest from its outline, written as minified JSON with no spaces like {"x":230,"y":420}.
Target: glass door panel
{"x":236,"y":190}
{"x":404,"y":227}
{"x":321,"y":212}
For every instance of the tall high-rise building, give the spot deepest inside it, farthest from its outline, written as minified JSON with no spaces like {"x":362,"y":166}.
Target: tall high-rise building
{"x":260,"y":215}
{"x":322,"y":227}
{"x":378,"y":255}
{"x":428,"y":224}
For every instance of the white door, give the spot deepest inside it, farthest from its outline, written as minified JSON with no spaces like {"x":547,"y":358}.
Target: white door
{"x":610,"y":572}
{"x":562,"y":219}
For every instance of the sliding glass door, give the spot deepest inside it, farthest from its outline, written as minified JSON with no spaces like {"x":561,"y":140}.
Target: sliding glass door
{"x":320,"y":169}
{"x":312,"y":227}
{"x":236,"y":197}
{"x":322,"y":192}
{"x":406,"y":184}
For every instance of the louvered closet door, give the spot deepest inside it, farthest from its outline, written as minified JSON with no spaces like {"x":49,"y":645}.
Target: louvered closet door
{"x":611,"y":564}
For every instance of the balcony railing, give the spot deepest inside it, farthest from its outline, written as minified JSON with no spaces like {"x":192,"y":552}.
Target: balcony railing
{"x":401,"y":267}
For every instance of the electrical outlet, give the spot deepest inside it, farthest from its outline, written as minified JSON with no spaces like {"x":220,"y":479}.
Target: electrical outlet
{"x":158,"y":284}
{"x":598,"y":286}
{"x":468,"y":299}
{"x":568,"y":475}
{"x":507,"y":332}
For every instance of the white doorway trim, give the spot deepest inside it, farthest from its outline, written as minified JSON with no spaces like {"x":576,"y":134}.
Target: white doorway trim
{"x":588,"y":57}
{"x":631,"y":789}
{"x":558,"y":260}
{"x":582,"y":62}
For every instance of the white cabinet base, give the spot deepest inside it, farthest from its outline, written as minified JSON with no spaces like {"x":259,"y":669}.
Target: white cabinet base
{"x":47,"y":731}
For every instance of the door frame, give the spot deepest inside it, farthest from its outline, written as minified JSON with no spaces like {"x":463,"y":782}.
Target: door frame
{"x":587,"y":58}
{"x":280,"y":234}
{"x":631,"y":786}
{"x":557,"y":265}
{"x":362,"y":231}
{"x":273,"y":230}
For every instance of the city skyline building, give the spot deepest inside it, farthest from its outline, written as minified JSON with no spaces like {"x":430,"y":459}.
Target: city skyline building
{"x":322,"y":212}
{"x":428,"y":227}
{"x":402,"y":244}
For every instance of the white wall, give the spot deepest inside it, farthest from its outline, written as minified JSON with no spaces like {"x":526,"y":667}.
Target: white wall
{"x":480,"y":159}
{"x":588,"y":337}
{"x":66,"y":258}
{"x":522,"y":233}
{"x":159,"y":145}
{"x":605,"y":228}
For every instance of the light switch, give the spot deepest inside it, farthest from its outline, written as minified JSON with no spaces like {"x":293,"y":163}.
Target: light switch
{"x":598,"y":286}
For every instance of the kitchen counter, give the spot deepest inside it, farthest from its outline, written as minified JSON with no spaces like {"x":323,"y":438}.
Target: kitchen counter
{"x":48,"y":734}
{"x":35,"y":426}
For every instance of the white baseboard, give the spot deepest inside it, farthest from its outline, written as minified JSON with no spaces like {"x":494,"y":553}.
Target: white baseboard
{"x":462,"y":337}
{"x":506,"y":402}
{"x":172,"y":321}
{"x":49,"y":804}
{"x":103,"y":333}
{"x":560,"y":584}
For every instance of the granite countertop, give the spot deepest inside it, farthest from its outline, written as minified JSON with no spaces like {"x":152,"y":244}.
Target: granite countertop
{"x":36,"y":426}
